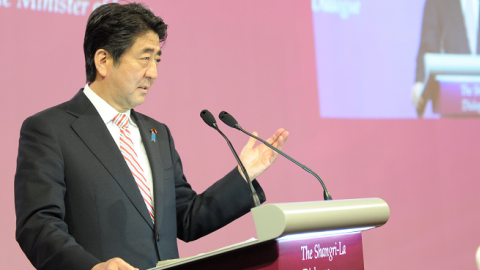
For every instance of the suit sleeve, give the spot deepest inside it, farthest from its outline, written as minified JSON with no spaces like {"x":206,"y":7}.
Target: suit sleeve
{"x":200,"y":214}
{"x":39,"y":202}
{"x":430,"y":41}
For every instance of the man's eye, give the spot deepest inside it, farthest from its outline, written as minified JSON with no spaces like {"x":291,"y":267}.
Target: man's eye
{"x":146,"y":58}
{"x":158,"y":60}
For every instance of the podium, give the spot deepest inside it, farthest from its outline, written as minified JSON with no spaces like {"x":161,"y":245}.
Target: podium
{"x":304,"y":236}
{"x":452,"y":82}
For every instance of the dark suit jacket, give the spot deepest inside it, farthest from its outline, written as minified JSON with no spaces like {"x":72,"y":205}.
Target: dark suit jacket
{"x":77,"y":203}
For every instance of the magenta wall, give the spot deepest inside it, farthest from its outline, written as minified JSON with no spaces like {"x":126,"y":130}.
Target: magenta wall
{"x":256,"y":60}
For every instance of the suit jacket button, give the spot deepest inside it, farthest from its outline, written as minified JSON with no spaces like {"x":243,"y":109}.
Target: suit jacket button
{"x":158,"y":237}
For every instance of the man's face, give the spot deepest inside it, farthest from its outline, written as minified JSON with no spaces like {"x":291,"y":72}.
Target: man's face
{"x":132,"y":76}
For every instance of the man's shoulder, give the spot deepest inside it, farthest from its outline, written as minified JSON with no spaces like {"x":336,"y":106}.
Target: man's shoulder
{"x":50,"y":114}
{"x":63,"y":111}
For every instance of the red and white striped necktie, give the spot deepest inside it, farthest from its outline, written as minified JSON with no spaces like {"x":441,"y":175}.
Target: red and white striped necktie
{"x":128,"y":152}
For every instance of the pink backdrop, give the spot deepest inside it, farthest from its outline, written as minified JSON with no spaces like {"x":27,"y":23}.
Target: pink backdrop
{"x":256,"y":60}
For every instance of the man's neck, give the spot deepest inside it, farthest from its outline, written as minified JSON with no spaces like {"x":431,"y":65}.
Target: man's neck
{"x":100,"y":87}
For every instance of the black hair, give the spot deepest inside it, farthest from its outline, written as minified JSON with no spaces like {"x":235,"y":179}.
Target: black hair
{"x":114,"y":28}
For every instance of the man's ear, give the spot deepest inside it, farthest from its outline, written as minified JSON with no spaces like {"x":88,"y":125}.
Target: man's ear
{"x":102,"y":58}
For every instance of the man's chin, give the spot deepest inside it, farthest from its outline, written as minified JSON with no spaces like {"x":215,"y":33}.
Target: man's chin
{"x":139,"y":101}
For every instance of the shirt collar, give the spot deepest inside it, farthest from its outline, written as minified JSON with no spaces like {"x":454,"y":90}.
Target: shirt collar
{"x":106,"y":111}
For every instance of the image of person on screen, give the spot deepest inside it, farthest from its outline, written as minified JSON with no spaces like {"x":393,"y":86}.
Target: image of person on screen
{"x":99,"y":185}
{"x":449,"y":26}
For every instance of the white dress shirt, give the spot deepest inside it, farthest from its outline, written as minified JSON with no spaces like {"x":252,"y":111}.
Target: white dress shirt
{"x":107,"y":113}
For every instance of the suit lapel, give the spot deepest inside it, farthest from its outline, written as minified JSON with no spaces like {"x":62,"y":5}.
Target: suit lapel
{"x":93,"y":132}
{"x":153,"y":153}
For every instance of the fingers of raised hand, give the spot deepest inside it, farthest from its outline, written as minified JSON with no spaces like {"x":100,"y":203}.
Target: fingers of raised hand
{"x":275,"y":136}
{"x":282,"y":139}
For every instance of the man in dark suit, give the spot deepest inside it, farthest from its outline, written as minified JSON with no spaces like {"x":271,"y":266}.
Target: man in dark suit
{"x":100,"y":186}
{"x":444,"y":30}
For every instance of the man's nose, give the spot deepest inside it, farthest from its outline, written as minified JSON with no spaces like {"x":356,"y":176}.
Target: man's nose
{"x":151,"y":70}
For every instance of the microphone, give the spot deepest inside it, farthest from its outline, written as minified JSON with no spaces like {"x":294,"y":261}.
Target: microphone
{"x":209,"y":119}
{"x":230,"y":121}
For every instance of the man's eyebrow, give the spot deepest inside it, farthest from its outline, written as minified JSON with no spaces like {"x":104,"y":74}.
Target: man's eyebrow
{"x":151,"y":50}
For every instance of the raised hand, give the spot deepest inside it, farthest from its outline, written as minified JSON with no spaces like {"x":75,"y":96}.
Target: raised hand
{"x":257,"y":159}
